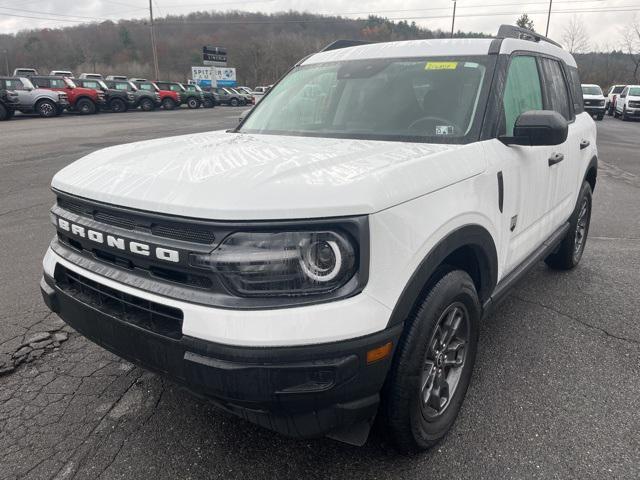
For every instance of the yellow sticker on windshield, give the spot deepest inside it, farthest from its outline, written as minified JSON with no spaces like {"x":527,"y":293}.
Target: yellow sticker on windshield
{"x":441,"y":66}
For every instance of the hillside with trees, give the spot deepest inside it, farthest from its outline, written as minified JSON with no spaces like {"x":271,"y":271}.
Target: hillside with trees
{"x":261,"y":46}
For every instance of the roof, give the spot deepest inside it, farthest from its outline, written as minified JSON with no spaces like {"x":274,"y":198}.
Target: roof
{"x":437,"y":48}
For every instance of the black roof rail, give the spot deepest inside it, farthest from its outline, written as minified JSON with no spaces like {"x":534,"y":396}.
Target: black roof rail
{"x":338,"y":44}
{"x":511,"y":31}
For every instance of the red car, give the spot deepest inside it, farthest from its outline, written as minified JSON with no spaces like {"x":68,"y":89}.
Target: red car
{"x":82,"y":100}
{"x":168,"y":99}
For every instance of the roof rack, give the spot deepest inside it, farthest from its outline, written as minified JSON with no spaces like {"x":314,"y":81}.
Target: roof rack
{"x":511,"y":31}
{"x":338,"y":44}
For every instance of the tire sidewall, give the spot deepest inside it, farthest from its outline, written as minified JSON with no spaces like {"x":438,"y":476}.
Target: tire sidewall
{"x":585,"y":191}
{"x":192,"y":103}
{"x":168,"y":104}
{"x":454,"y":286}
{"x":146,"y":104}
{"x":90,"y":107}
{"x":118,"y":102}
{"x":4,"y":113}
{"x":234,"y":102}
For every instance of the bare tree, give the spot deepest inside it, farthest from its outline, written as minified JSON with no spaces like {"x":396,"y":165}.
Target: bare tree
{"x":575,"y":37}
{"x":631,"y":39}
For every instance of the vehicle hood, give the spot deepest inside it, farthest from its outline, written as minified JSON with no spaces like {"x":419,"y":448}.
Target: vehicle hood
{"x":85,"y":91}
{"x":592,"y":97}
{"x":231,"y":176}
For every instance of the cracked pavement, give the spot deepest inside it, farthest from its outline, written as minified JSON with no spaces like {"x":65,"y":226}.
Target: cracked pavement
{"x":555,"y":393}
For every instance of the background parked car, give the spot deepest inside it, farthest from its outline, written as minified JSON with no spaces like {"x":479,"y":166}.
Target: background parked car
{"x":117,"y":101}
{"x":168,"y":99}
{"x":85,"y":101}
{"x":44,"y":102}
{"x":24,"y":72}
{"x":8,"y":104}
{"x":147,"y":100}
{"x":594,"y":101}
{"x":208,"y":99}
{"x":175,"y":87}
{"x":116,"y":77}
{"x":189,"y":96}
{"x":248,"y":92}
{"x":628,"y":103}
{"x":248,"y":98}
{"x":614,"y":91}
{"x":225,"y":96}
{"x":94,"y":76}
{"x":62,"y":73}
{"x":260,"y":92}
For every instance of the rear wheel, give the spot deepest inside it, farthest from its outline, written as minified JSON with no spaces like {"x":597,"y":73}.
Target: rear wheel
{"x":117,"y":105}
{"x":147,"y":105}
{"x":85,"y":106}
{"x":433,"y":364}
{"x":193,"y":103}
{"x":4,"y":113}
{"x":168,"y":104}
{"x":572,"y":246}
{"x":46,"y":108}
{"x":208,"y":103}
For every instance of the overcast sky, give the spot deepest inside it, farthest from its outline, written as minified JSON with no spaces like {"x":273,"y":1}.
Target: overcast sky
{"x":477,"y":15}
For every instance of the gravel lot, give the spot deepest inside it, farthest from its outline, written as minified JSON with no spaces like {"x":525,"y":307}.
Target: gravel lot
{"x":555,"y":394}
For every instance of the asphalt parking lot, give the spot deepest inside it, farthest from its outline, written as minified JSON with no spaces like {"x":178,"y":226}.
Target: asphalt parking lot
{"x":555,"y":393}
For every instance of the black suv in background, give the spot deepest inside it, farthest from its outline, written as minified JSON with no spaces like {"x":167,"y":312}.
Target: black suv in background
{"x":208,"y":99}
{"x":8,"y":104}
{"x":117,"y":101}
{"x":226,"y":96}
{"x":147,"y":100}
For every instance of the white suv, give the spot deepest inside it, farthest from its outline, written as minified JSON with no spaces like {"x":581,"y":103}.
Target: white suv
{"x":331,"y":258}
{"x":628,"y":103}
{"x":594,"y":101}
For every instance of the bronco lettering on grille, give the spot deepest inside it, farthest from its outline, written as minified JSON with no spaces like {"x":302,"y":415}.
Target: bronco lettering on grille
{"x":119,"y":243}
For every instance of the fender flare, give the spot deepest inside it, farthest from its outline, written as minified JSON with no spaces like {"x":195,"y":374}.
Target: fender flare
{"x":588,"y":177}
{"x":475,"y":237}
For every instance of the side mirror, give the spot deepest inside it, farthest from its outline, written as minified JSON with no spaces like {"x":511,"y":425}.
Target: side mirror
{"x":624,"y":95}
{"x":538,"y":127}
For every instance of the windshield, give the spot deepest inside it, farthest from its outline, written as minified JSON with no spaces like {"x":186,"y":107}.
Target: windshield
{"x":429,"y":99}
{"x":634,"y":92}
{"x":617,"y":89}
{"x":591,"y":90}
{"x":102,"y":85}
{"x":70,"y":83}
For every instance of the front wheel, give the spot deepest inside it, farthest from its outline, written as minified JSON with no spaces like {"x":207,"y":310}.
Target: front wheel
{"x":118,"y":105}
{"x":572,"y":246}
{"x":147,"y":105}
{"x":46,"y":109}
{"x":168,"y":104}
{"x":86,"y":107}
{"x":433,"y":364}
{"x":208,"y":103}
{"x":4,"y":113}
{"x":600,"y":117}
{"x":624,"y":114}
{"x":234,"y":102}
{"x":193,"y":103}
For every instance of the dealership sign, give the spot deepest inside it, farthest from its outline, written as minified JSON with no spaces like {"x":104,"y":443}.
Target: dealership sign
{"x":216,"y":56}
{"x":214,"y":76}
{"x":225,"y":77}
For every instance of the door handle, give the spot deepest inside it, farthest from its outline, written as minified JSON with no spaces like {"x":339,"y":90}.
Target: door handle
{"x":555,"y":158}
{"x":584,"y":144}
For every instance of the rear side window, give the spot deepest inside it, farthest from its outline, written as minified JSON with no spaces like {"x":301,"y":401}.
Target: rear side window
{"x":556,"y":87}
{"x":57,"y":83}
{"x":522,"y":90}
{"x":576,"y":90}
{"x":14,"y":85}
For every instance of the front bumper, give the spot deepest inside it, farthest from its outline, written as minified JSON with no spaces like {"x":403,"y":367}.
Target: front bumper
{"x":633,"y":112}
{"x":595,"y":110}
{"x":300,"y":391}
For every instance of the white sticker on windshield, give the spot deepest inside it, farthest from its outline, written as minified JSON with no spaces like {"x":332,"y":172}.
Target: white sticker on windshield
{"x":444,"y":130}
{"x":471,"y":65}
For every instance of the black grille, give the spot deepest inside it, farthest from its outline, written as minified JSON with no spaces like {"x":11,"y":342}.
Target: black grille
{"x":162,"y":228}
{"x":157,"y":318}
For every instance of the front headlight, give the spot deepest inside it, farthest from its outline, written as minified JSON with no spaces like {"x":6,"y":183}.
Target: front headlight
{"x":286,"y":264}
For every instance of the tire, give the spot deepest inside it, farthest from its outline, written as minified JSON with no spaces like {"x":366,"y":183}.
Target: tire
{"x":208,"y":103}
{"x":572,"y":246}
{"x":168,"y":104}
{"x":624,"y":114}
{"x":4,"y":113}
{"x":46,"y":108}
{"x":413,"y":424}
{"x":234,"y":102}
{"x":86,"y":107}
{"x":147,"y":105}
{"x":600,"y":117}
{"x":117,"y":105}
{"x":193,"y":103}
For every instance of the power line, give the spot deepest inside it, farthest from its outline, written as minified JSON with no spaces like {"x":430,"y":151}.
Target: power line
{"x":52,"y":14}
{"x":421,"y":17}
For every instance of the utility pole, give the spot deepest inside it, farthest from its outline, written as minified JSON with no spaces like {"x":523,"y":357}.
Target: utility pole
{"x":153,"y":43}
{"x":453,"y":21}
{"x":546,"y":34}
{"x":6,"y":61}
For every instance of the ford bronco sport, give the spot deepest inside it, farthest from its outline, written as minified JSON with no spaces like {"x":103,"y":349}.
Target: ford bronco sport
{"x":85,"y":101}
{"x":32,"y":99}
{"x":330,"y":259}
